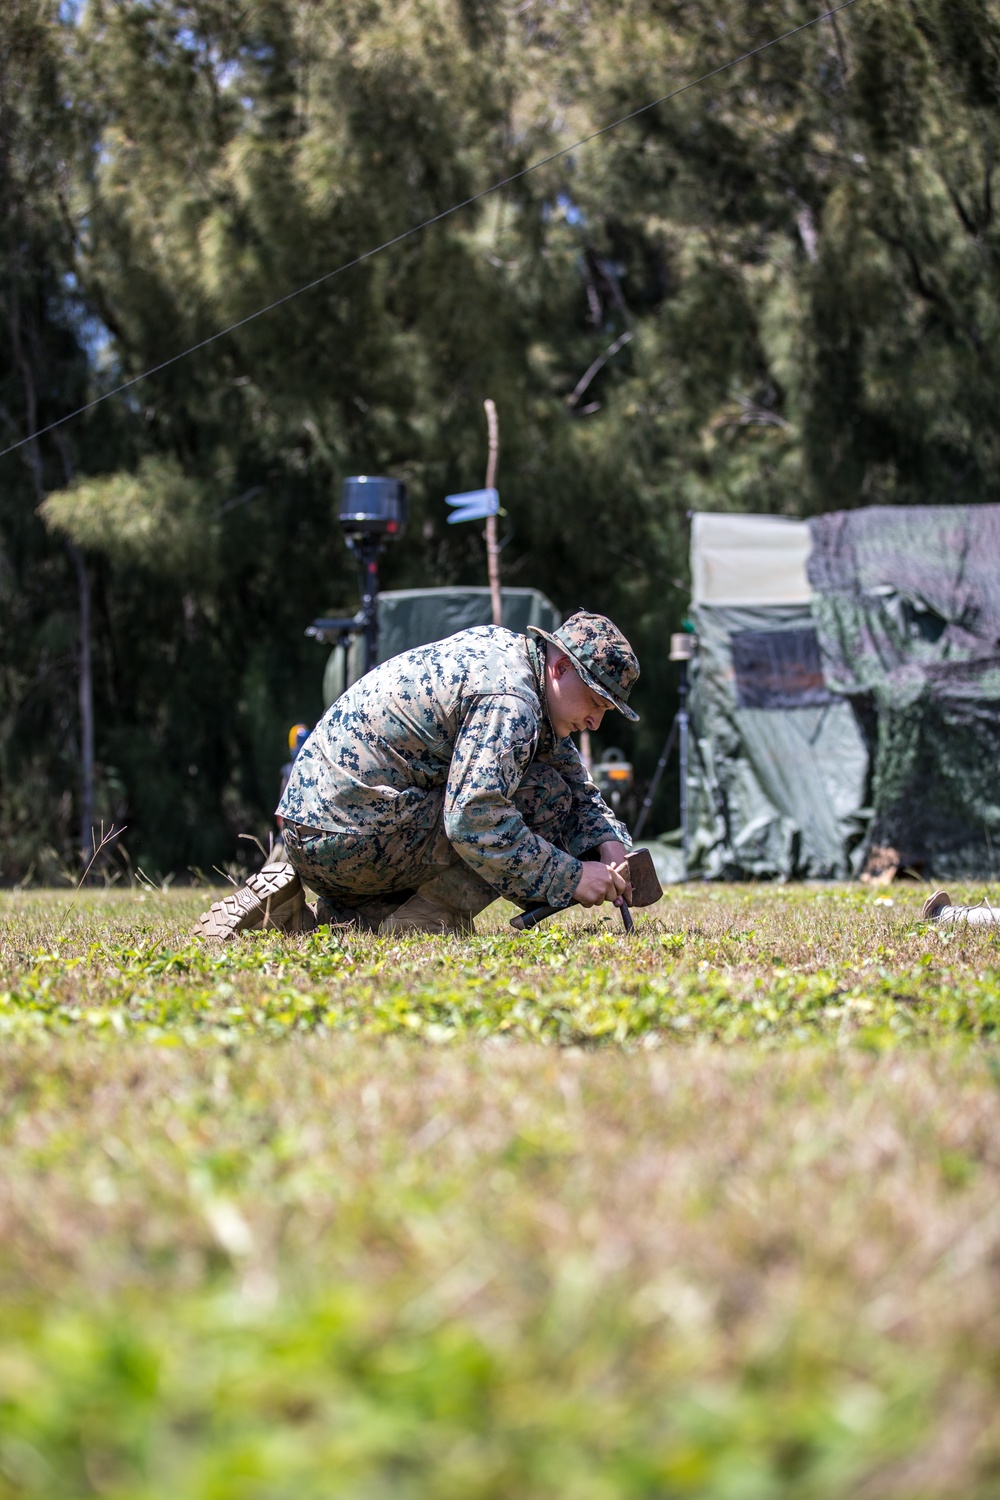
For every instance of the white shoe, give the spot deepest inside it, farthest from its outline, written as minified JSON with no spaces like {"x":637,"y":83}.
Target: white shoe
{"x":938,"y":908}
{"x":935,"y":905}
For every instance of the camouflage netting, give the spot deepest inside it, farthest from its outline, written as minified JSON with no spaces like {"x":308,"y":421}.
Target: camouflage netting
{"x":907,"y":610}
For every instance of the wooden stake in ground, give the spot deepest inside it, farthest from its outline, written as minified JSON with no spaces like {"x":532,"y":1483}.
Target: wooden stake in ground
{"x":492,"y":550}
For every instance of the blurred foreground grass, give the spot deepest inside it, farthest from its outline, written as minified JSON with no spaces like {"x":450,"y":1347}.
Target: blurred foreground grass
{"x":356,"y":1265}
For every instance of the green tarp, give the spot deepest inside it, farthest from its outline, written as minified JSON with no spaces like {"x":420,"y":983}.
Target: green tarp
{"x":415,"y":617}
{"x":773,"y":791}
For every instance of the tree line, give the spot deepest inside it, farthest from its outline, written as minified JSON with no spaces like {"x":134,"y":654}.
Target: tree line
{"x":777,"y":291}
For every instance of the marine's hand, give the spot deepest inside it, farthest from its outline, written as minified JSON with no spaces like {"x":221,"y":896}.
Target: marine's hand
{"x":598,"y":883}
{"x":613,"y":853}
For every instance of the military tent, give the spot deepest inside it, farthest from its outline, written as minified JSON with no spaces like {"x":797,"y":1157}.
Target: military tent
{"x":846,"y":693}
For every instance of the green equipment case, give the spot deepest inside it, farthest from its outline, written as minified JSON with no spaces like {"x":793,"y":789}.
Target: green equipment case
{"x":415,"y":617}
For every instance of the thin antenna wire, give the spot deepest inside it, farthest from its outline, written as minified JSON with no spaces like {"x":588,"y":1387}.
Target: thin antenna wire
{"x":425,"y":224}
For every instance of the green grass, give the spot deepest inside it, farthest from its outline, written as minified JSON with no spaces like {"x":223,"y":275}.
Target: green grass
{"x":321,"y":1218}
{"x":763,"y":964}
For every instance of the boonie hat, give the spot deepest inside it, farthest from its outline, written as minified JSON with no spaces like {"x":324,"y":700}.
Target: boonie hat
{"x":601,"y":655}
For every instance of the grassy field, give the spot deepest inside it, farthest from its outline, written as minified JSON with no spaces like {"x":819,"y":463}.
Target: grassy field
{"x":712,"y":1212}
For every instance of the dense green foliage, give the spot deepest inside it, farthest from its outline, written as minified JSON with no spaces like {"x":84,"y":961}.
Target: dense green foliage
{"x":801,"y":254}
{"x":245,"y":1252}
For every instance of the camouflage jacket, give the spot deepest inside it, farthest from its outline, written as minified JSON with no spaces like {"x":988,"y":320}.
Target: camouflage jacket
{"x":466,"y":717}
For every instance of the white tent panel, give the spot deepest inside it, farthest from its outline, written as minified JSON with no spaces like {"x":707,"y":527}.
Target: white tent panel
{"x":749,"y":560}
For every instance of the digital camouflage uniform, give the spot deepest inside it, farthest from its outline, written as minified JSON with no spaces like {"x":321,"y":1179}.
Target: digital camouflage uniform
{"x":439,"y":770}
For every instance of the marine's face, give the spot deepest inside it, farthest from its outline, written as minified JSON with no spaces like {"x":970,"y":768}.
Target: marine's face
{"x":572,"y":705}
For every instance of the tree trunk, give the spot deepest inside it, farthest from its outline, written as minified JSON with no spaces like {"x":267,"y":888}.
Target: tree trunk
{"x":86,"y":700}
{"x":84,"y":668}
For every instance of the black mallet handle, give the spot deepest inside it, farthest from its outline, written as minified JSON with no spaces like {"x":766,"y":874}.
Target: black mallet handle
{"x":529,"y":919}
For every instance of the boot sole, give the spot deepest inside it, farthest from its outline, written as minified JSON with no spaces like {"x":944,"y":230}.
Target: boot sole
{"x":271,"y":898}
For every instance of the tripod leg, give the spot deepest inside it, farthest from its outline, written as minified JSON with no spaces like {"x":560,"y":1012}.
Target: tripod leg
{"x":661,"y":766}
{"x":682,"y":722}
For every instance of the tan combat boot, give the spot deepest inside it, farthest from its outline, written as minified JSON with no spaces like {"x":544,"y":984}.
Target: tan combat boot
{"x":424,"y":914}
{"x":273,"y":898}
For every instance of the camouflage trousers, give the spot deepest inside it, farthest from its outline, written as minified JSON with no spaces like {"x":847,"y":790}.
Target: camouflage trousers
{"x":370,"y":874}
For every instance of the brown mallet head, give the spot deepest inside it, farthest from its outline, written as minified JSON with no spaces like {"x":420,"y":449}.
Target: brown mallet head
{"x":646,"y":888}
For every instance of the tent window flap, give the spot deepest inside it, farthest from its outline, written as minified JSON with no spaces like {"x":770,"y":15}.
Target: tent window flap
{"x":778,"y":669}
